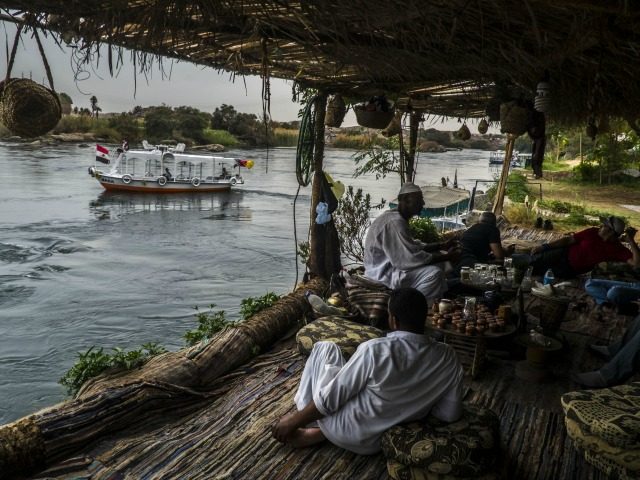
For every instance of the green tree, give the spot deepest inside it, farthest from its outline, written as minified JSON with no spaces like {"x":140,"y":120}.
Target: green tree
{"x":95,"y":109}
{"x":158,"y":122}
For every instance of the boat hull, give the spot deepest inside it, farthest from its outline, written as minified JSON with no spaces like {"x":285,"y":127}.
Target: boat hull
{"x":161,"y":185}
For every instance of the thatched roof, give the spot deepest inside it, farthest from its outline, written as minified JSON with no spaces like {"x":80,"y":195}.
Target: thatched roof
{"x":444,"y":56}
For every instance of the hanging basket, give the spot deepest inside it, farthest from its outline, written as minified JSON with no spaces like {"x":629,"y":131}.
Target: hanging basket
{"x":373,"y":119}
{"x":463,"y":133}
{"x":513,"y":118}
{"x":483,"y":127}
{"x":27,"y":108}
{"x":336,"y":110}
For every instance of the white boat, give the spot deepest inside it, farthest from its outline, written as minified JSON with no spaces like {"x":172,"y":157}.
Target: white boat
{"x":162,"y":169}
{"x":441,"y":201}
{"x":517,"y":159}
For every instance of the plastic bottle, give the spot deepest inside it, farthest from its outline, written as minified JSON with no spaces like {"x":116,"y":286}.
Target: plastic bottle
{"x":320,"y":306}
{"x":527,"y":282}
{"x":549,"y":277}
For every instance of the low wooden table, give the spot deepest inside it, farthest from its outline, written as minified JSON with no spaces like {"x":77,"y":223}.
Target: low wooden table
{"x":471,"y":349}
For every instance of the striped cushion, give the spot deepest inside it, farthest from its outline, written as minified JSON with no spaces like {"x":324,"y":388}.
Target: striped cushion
{"x":465,"y":448}
{"x":344,"y":333}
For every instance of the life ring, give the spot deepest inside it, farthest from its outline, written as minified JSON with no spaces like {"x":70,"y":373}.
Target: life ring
{"x":162,"y":181}
{"x":126,"y":179}
{"x":233,"y":181}
{"x":195,"y":181}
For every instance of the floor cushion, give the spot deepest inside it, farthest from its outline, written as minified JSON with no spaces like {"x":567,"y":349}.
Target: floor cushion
{"x":599,"y":448}
{"x":398,"y":471}
{"x":612,"y":414}
{"x":465,"y":448}
{"x":344,"y":333}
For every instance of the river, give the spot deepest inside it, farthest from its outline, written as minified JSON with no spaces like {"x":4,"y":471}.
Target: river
{"x":80,"y":267}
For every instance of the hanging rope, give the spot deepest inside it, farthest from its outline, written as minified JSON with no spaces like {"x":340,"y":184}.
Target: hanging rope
{"x":306,"y":144}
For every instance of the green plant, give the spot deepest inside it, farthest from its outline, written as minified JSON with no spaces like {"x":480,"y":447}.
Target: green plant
{"x":209,"y":323}
{"x":304,"y":252}
{"x":423,"y":229}
{"x":520,"y":213}
{"x":516,"y":188}
{"x":252,"y":305}
{"x":94,"y":361}
{"x":377,"y":160}
{"x":221,"y":137}
{"x":351,"y":219}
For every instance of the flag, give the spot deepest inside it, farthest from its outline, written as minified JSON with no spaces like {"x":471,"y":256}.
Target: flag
{"x":102,"y":154}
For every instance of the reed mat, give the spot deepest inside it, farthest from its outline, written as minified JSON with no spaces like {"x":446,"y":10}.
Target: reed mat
{"x":229,"y":436}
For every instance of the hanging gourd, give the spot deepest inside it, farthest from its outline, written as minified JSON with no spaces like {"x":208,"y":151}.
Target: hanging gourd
{"x":463,"y":133}
{"x":336,"y":110}
{"x":27,"y":108}
{"x":514,"y":118}
{"x":542,"y":102}
{"x":483,"y":127}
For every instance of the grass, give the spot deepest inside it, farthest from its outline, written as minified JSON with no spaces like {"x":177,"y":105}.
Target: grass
{"x":285,"y":137}
{"x":574,"y":205}
{"x":221,"y":137}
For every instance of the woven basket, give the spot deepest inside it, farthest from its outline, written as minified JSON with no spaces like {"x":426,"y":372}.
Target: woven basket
{"x":373,"y":119}
{"x":514,"y":118}
{"x":336,"y":110}
{"x":27,"y":108}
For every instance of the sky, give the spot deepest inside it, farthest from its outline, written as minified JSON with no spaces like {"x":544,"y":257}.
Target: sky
{"x":183,"y":83}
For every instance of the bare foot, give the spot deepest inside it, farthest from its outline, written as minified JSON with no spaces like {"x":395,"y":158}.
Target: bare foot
{"x":305,"y":437}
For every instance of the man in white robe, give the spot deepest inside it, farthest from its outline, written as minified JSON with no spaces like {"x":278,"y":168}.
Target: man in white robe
{"x":393,"y":257}
{"x":401,"y":377}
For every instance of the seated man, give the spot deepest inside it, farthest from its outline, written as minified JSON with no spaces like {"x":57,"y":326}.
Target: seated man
{"x":624,"y":360}
{"x":401,"y":377}
{"x":579,"y":253}
{"x":393,"y":257}
{"x":481,"y":240}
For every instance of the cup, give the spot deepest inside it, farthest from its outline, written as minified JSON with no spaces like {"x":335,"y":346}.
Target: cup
{"x":508,"y":262}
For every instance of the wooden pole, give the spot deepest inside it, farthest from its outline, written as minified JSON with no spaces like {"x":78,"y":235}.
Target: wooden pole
{"x":498,"y":202}
{"x":414,"y":123}
{"x":316,"y":246}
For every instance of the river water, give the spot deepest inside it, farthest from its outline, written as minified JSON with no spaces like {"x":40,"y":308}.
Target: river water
{"x":80,"y":267}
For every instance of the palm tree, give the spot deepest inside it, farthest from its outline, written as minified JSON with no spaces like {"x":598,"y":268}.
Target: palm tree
{"x":94,"y":106}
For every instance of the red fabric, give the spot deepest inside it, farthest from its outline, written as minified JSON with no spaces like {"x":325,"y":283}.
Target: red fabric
{"x":101,"y":149}
{"x":590,"y":249}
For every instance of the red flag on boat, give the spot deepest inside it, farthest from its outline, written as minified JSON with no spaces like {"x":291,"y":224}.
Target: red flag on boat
{"x":244,"y":162}
{"x":102,"y":154}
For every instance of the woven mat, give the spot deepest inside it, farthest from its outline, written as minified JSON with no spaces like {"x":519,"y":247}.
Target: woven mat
{"x":229,"y":437}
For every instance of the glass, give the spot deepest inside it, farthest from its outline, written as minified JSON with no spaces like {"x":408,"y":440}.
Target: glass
{"x":508,"y":262}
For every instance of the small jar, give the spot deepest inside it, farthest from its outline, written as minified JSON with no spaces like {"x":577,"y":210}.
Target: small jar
{"x":465,"y":274}
{"x":445,"y":306}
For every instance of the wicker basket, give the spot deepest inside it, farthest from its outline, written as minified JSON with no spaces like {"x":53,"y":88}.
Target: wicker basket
{"x":336,"y":110}
{"x":373,"y":119}
{"x":27,"y":108}
{"x":514,"y":118}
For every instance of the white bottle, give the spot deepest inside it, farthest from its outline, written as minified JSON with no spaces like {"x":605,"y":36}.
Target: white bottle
{"x":320,"y":306}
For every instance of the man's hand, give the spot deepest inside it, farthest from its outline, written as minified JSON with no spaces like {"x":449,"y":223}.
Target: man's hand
{"x":454,"y":253}
{"x":629,"y":234}
{"x":452,"y":242}
{"x":285,"y":427}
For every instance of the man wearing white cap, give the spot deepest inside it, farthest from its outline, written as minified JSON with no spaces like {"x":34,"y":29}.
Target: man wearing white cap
{"x":393,"y":257}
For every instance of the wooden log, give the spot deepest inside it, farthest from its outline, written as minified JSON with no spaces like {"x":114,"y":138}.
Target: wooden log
{"x":170,"y":383}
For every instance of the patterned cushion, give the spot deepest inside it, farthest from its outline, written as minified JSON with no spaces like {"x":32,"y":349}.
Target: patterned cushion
{"x":465,"y":448}
{"x":612,"y":414}
{"x":598,"y":447}
{"x":347,"y":335}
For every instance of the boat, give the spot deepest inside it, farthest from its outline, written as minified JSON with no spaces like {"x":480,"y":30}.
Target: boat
{"x":442,"y":201}
{"x":518,"y":160}
{"x":165,"y":169}
{"x":450,"y":223}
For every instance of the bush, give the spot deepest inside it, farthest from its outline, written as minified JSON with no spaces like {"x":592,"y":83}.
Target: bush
{"x":252,"y":305}
{"x":519,"y":213}
{"x":352,"y":141}
{"x":221,"y":137}
{"x":516,"y":189}
{"x":209,"y":323}
{"x":424,"y":230}
{"x":94,"y":362}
